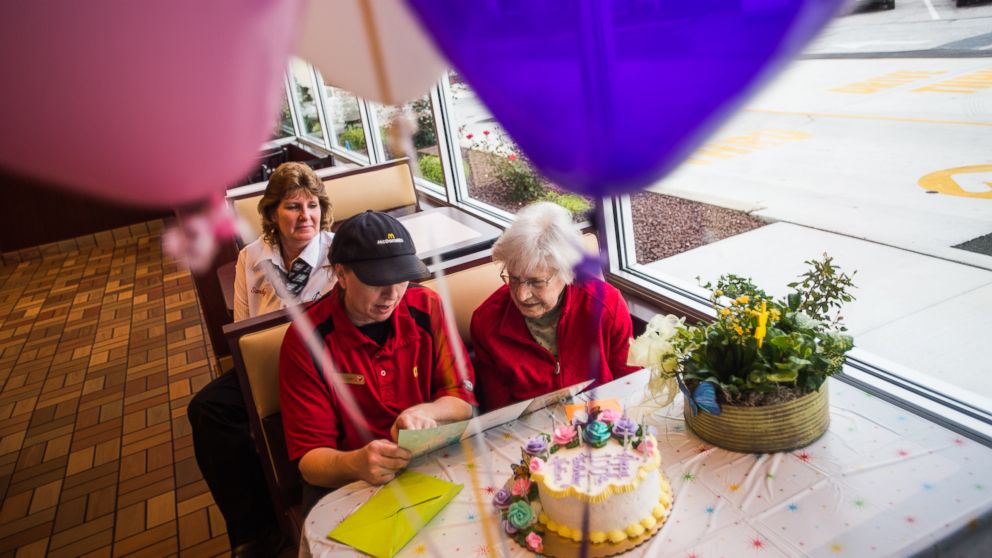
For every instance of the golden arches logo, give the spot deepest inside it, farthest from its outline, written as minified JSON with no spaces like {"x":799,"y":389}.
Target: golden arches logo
{"x":943,"y":181}
{"x":390,"y":236}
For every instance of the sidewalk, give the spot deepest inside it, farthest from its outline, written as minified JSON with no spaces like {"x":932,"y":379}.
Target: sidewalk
{"x":923,"y":312}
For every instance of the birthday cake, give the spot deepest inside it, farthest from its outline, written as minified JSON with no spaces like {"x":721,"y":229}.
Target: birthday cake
{"x":609,"y":465}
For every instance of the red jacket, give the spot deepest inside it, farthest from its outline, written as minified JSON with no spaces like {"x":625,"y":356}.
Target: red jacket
{"x":416,"y":365}
{"x":510,"y":366}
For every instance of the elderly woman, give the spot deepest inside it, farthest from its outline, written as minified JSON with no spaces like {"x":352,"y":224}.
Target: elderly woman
{"x":296,"y":237}
{"x":293,"y":249}
{"x":544,"y":330}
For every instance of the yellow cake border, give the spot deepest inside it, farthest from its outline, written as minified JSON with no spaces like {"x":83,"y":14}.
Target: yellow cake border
{"x":658,"y":515}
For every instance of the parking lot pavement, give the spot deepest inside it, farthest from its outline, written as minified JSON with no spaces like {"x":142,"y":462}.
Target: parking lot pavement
{"x":848,"y":145}
{"x":910,"y":26}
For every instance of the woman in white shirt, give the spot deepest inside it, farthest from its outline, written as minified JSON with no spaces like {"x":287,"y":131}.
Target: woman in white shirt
{"x":296,"y":218}
{"x":296,"y":237}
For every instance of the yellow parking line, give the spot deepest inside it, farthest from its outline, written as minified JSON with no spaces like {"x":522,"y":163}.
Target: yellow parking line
{"x":887,"y":81}
{"x":867,"y":117}
{"x":735,"y":146}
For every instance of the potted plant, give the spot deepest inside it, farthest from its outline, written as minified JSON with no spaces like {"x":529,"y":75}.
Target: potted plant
{"x":754,"y":378}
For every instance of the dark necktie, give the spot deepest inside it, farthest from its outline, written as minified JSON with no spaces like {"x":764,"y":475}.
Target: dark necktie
{"x":297,"y":277}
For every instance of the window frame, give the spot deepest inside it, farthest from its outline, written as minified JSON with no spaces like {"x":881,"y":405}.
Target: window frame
{"x":296,"y":105}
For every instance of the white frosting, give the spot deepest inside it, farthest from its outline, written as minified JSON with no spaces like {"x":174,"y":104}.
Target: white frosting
{"x":615,"y":513}
{"x":591,"y":471}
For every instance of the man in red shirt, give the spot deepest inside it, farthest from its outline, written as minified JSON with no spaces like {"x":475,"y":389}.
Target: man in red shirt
{"x":390,"y":350}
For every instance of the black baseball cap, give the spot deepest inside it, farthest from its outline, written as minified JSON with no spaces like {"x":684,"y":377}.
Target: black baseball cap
{"x":378,"y":248}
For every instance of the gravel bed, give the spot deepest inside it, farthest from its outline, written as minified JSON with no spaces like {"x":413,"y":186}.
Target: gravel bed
{"x":666,"y":225}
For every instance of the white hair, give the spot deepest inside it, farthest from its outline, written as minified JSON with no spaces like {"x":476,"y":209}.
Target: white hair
{"x":541,"y":235}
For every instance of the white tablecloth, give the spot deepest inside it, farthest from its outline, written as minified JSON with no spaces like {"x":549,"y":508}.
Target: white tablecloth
{"x":881,"y":482}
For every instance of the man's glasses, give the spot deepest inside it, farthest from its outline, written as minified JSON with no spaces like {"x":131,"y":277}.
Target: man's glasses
{"x":535,"y":285}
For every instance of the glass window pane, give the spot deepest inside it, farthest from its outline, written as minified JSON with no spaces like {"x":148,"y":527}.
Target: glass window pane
{"x":306,"y":104}
{"x":496,"y":172}
{"x":284,"y":129}
{"x":421,"y":113}
{"x":881,"y":161}
{"x":345,"y":113}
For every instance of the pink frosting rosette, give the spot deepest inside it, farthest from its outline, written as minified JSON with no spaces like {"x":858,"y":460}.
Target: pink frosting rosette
{"x":536,"y":464}
{"x":609,"y":416}
{"x":534,"y":542}
{"x":563,"y":435}
{"x":520,"y":487}
{"x":646,"y":446}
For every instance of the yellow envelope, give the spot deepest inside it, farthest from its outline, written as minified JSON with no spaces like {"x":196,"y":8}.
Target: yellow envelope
{"x":384,"y":524}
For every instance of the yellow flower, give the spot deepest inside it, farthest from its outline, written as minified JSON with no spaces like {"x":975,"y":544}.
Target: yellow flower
{"x":717,"y":293}
{"x":775,"y":314}
{"x":761,"y":330}
{"x":724,"y":311}
{"x":739,"y":330}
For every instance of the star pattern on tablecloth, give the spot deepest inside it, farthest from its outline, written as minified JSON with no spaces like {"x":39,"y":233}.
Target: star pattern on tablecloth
{"x":909,"y":519}
{"x":927,"y":487}
{"x":688,"y":477}
{"x":734,"y":487}
{"x":859,"y":503}
{"x":803,"y":456}
{"x":757,"y":543}
{"x":710,"y":510}
{"x":792,"y":507}
{"x":837,"y":548}
{"x":420,"y":549}
{"x":490,"y":490}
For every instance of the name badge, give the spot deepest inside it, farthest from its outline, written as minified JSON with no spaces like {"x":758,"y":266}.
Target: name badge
{"x":353,"y":379}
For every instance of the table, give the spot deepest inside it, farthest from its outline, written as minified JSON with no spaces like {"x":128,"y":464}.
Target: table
{"x":442,"y":232}
{"x":448,"y":232}
{"x":881,"y":482}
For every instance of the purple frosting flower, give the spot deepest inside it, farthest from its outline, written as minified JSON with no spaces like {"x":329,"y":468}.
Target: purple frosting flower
{"x":536,"y":446}
{"x":502,"y":499}
{"x":510,"y":529}
{"x":625,"y":427}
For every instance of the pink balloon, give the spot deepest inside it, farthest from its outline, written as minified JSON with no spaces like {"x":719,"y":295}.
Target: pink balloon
{"x":149,"y":103}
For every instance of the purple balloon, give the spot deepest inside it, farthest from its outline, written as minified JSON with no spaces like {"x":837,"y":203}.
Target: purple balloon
{"x":604,"y":96}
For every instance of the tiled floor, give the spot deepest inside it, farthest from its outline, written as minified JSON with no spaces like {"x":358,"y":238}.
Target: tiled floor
{"x":101,"y":347}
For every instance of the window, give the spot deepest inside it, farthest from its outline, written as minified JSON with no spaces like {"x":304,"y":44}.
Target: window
{"x":345,"y":115}
{"x":421,"y":113}
{"x":880,"y":160}
{"x":284,"y":128}
{"x":307,"y":109}
{"x":492,"y":169}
